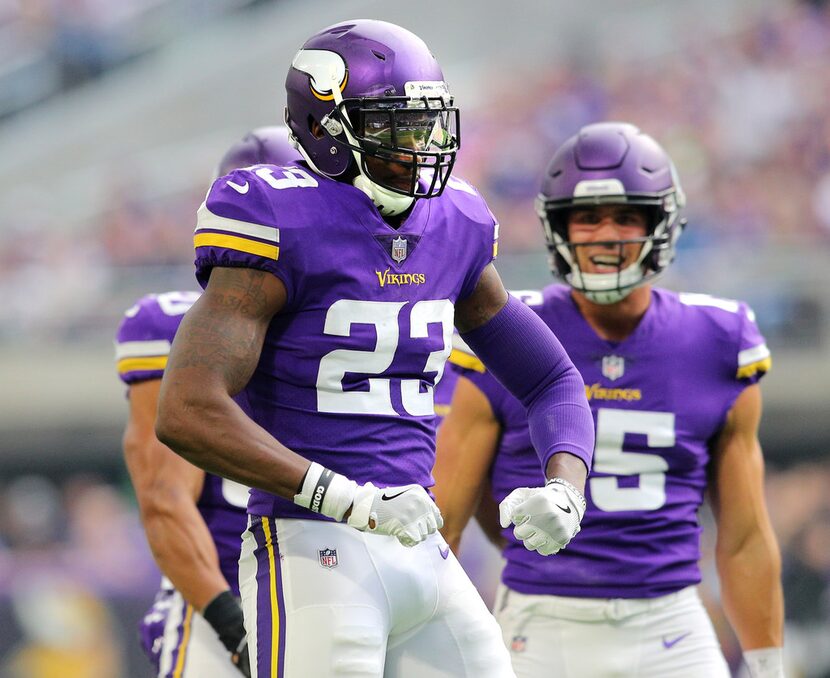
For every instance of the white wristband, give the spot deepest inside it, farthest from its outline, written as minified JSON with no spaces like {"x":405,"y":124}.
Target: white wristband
{"x":326,"y":492}
{"x":765,"y":662}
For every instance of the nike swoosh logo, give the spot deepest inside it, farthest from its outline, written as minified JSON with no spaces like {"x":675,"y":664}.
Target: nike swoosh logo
{"x":566,"y":509}
{"x":445,"y":552}
{"x":674,"y":641}
{"x":239,"y":188}
{"x":387,"y":497}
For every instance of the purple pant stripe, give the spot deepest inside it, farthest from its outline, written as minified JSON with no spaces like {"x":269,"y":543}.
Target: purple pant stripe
{"x":270,"y":631}
{"x":182,"y":638}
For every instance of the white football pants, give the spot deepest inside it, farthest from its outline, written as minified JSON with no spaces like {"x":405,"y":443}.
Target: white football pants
{"x":563,"y":637}
{"x":322,"y":599}
{"x":190,"y":646}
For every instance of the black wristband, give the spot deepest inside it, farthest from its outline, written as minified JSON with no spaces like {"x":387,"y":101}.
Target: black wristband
{"x":320,"y":490}
{"x":224,"y":614}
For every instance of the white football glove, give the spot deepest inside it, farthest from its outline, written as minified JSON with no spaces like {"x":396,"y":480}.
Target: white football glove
{"x":546,"y":518}
{"x":405,"y":512}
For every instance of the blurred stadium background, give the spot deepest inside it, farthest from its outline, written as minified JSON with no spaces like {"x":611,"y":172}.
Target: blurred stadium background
{"x":114,"y":112}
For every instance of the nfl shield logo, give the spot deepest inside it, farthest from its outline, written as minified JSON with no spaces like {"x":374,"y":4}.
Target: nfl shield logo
{"x":399,"y":250}
{"x":518,"y":644}
{"x":613,"y":367}
{"x":328,"y":558}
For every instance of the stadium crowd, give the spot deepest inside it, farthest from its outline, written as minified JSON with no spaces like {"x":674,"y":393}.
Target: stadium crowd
{"x":745,"y":118}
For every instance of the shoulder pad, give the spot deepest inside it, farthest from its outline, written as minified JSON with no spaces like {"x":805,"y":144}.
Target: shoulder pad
{"x":468,"y":200}
{"x":146,"y":332}
{"x":736,"y":320}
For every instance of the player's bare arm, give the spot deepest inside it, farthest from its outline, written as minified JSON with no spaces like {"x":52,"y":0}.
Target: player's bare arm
{"x":215,"y":352}
{"x":167,"y":488}
{"x":487,"y":517}
{"x":467,"y":440}
{"x":748,"y":559}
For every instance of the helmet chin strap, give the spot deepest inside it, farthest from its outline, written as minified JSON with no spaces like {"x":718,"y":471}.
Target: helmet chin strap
{"x":389,"y":203}
{"x":607,"y":288}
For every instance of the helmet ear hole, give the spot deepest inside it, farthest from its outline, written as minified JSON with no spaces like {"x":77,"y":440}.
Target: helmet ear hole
{"x":315,"y":128}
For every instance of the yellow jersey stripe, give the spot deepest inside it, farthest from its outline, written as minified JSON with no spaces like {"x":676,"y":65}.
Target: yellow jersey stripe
{"x":495,"y":249}
{"x":442,"y":410}
{"x":233,"y":242}
{"x":135,"y":364}
{"x":467,"y":361}
{"x":747,"y":371}
{"x":752,"y":355}
{"x":179,"y":670}
{"x":275,"y":611}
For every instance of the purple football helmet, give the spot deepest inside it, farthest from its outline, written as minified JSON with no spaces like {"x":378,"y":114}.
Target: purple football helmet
{"x":386,"y":118}
{"x":262,"y":146}
{"x":611,"y":163}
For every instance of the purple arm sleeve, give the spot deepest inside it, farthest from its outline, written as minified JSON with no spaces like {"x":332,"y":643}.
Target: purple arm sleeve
{"x":526,"y":357}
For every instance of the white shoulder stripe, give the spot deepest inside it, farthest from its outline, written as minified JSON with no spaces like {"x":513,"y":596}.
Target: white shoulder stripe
{"x":208,"y":220}
{"x":691,"y":299}
{"x":753,"y":355}
{"x":141,"y":349}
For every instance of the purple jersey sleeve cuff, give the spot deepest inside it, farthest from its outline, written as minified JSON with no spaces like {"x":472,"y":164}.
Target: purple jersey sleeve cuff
{"x":525,"y":356}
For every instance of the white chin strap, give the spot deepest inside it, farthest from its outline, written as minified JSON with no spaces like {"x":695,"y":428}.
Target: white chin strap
{"x":388,"y":202}
{"x":603,"y":288}
{"x":607,"y":288}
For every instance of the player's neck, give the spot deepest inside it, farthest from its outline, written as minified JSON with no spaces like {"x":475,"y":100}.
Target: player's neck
{"x":615,"y":322}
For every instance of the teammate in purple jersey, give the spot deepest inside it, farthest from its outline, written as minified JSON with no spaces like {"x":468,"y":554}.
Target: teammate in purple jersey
{"x":331,"y":290}
{"x":193,"y":520}
{"x":672,"y":382}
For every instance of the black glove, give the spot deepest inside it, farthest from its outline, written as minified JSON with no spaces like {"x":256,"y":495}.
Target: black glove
{"x":224,"y":614}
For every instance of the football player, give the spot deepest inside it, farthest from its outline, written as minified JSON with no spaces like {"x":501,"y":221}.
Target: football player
{"x":193,"y":520}
{"x":672,"y":380}
{"x":331,"y":290}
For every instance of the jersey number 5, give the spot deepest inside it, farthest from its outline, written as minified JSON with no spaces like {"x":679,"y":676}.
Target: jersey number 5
{"x":383,"y":317}
{"x":611,"y":458}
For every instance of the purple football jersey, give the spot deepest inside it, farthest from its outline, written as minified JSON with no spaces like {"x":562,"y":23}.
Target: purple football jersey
{"x":658,"y":399}
{"x":141,"y":349}
{"x":443,"y":394}
{"x":348,"y":368}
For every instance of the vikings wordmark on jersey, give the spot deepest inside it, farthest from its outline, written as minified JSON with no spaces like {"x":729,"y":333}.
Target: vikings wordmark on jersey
{"x":684,"y":366}
{"x":361,"y":343}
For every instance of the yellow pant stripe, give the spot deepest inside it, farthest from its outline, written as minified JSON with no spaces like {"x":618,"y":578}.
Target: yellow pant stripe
{"x":275,"y":610}
{"x":179,"y":670}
